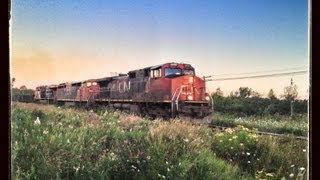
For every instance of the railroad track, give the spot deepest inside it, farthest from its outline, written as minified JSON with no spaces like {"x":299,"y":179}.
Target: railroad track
{"x":206,"y":121}
{"x":263,"y":133}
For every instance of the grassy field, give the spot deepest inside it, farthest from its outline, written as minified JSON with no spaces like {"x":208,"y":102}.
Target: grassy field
{"x":296,"y":125}
{"x":50,"y":142}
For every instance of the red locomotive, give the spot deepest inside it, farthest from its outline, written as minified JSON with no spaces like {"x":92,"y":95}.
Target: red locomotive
{"x":165,"y":90}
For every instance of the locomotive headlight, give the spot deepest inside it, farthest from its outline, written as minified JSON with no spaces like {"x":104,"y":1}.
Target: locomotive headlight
{"x":207,"y":98}
{"x":190,"y":79}
{"x":190,"y":98}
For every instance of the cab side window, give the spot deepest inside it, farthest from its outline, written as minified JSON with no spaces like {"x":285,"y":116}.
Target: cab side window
{"x":156,"y":73}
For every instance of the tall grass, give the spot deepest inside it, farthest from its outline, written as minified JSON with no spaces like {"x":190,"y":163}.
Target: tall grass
{"x":50,"y":142}
{"x":261,"y":156}
{"x":296,"y":125}
{"x":65,"y":143}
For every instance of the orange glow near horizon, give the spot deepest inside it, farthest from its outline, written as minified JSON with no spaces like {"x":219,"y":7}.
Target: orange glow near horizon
{"x":40,"y":68}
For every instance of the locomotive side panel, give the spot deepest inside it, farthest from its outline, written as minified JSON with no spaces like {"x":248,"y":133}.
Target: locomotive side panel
{"x":139,"y":85}
{"x":118,"y":89}
{"x":67,"y":91}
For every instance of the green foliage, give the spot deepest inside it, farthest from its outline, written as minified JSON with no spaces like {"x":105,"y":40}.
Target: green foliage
{"x":263,"y":157}
{"x":244,"y":106}
{"x":296,"y":125}
{"x":22,"y":95}
{"x":64,"y":143}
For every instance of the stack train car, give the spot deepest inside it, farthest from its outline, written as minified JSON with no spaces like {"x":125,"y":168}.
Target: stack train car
{"x":166,"y":90}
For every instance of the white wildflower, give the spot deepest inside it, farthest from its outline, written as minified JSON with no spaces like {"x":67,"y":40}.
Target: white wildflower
{"x":230,"y":160}
{"x":45,"y":132}
{"x":186,"y":140}
{"x":231,"y":147}
{"x":302,"y":168}
{"x":133,"y":167}
{"x":76,"y":168}
{"x":163,"y":177}
{"x":248,"y":154}
{"x":58,"y":107}
{"x":167,"y":162}
{"x":168,"y":169}
{"x":241,"y":144}
{"x":291,"y":175}
{"x":37,"y":121}
{"x":179,"y":164}
{"x":159,"y":175}
{"x":304,"y":150}
{"x":68,"y":141}
{"x":292,"y":165}
{"x":148,"y":157}
{"x":249,"y":162}
{"x":230,"y":139}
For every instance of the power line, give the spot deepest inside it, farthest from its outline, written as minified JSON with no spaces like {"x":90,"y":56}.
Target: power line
{"x":259,"y":76}
{"x":255,"y":72}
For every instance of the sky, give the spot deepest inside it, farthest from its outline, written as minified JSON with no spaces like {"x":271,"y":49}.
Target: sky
{"x":57,"y":41}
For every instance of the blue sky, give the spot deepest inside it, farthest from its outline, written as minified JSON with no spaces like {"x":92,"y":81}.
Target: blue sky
{"x":216,"y":36}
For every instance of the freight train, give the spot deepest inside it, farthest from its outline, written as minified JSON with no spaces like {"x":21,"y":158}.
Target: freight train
{"x":166,"y":90}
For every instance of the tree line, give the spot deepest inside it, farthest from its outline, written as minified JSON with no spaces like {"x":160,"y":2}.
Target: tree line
{"x":245,"y":101}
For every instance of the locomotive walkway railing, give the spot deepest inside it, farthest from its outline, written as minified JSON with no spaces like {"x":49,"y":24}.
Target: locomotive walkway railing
{"x":175,"y":99}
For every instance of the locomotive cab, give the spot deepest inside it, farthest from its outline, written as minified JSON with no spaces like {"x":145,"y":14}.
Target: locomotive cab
{"x":177,"y":83}
{"x":88,"y":91}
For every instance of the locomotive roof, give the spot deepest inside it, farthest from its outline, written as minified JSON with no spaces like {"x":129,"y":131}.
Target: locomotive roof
{"x":150,"y":67}
{"x":157,"y":66}
{"x":110,"y":78}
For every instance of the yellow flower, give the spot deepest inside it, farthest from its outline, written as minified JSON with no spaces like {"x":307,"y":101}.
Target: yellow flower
{"x":229,"y":130}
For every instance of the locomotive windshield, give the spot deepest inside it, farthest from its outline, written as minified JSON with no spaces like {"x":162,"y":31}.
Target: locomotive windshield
{"x":174,"y":72}
{"x":188,"y":71}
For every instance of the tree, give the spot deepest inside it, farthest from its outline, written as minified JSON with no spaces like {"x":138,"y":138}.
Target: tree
{"x":23,"y":87}
{"x":218,"y":92}
{"x":271,"y":94}
{"x":255,"y":94}
{"x":245,"y":92}
{"x":290,"y":92}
